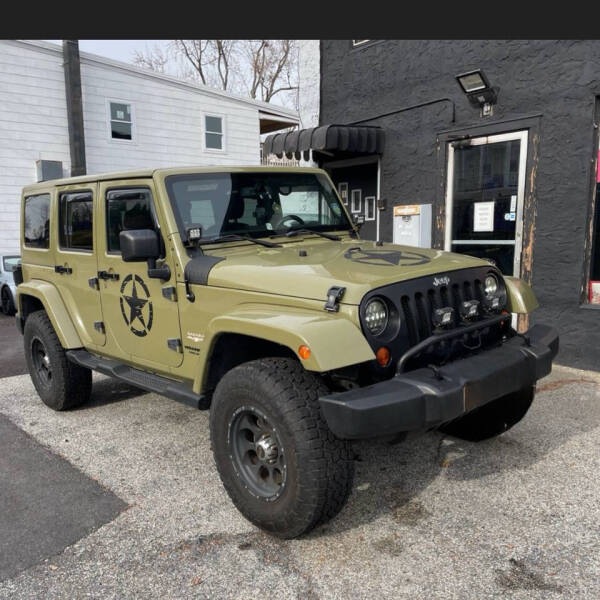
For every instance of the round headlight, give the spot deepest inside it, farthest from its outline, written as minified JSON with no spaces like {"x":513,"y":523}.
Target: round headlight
{"x":376,"y":316}
{"x":490,"y":286}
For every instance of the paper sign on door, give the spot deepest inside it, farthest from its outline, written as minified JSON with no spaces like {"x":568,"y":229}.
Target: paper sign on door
{"x":483,"y":216}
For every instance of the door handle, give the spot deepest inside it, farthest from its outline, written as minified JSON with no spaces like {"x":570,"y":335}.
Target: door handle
{"x":62,"y":269}
{"x":106,"y":275}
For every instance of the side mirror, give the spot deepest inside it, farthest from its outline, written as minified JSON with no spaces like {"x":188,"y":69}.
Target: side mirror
{"x":139,"y":245}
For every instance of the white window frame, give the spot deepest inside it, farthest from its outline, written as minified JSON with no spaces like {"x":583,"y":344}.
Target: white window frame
{"x":353,"y":208}
{"x":110,"y":119}
{"x":343,"y":185}
{"x":370,"y":201}
{"x":223,"y":118}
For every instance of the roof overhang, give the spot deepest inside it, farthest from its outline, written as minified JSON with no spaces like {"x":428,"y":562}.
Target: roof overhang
{"x":328,"y":139}
{"x":274,"y":121}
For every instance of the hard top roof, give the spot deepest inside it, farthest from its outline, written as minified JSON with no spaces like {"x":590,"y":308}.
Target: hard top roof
{"x":149,"y":173}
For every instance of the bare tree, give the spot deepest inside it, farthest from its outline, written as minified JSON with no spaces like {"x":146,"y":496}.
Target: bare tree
{"x":274,"y":67}
{"x":155,"y":59}
{"x":198,"y":53}
{"x":258,"y":68}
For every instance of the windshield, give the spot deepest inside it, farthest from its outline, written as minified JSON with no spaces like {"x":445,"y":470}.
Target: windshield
{"x":256,"y":204}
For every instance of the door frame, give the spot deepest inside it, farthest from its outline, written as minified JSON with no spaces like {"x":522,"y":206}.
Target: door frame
{"x":523,"y":136}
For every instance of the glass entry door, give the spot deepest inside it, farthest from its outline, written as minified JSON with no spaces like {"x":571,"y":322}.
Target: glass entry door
{"x":484,"y":200}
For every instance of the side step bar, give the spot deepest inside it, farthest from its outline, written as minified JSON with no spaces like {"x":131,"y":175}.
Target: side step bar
{"x":147,"y":381}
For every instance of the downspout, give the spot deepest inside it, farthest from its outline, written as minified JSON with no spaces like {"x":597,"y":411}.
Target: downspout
{"x":72,"y":70}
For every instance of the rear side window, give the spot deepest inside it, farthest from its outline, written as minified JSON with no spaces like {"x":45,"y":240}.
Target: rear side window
{"x":128,"y":209}
{"x":75,"y":221}
{"x":37,"y":221}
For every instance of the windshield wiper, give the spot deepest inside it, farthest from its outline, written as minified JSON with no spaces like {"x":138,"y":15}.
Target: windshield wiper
{"x":295,"y":232}
{"x":234,"y":237}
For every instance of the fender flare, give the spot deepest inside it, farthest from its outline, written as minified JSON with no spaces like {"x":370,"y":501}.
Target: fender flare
{"x":55,"y":308}
{"x":334,"y":340}
{"x":521,"y":298}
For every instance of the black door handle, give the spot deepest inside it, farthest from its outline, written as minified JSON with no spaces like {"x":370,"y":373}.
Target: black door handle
{"x":106,"y":275}
{"x":62,"y":270}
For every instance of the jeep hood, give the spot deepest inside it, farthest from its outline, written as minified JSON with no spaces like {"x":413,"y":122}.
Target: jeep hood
{"x":357,"y":265}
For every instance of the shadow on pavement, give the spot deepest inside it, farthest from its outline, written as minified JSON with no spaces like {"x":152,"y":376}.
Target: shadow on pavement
{"x":12,"y":357}
{"x":46,"y":504}
{"x":389,"y":478}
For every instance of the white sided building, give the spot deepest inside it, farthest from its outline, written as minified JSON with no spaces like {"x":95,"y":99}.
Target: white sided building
{"x":132,"y":118}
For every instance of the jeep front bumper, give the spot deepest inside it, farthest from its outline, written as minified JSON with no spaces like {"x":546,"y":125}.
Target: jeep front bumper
{"x":421,"y":400}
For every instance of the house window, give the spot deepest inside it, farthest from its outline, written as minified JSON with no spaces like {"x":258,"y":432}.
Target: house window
{"x":37,"y":221}
{"x":343,"y":192}
{"x":75,"y":221}
{"x":213,"y":132}
{"x":121,"y":120}
{"x":370,"y":208}
{"x":356,"y":196}
{"x":359,"y":42}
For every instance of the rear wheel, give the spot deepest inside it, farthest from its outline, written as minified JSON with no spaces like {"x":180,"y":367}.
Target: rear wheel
{"x":279,"y":462}
{"x":493,"y":418}
{"x":6,"y":299}
{"x":60,"y":384}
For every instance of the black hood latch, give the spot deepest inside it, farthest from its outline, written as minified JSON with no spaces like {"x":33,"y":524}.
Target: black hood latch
{"x":334,"y":296}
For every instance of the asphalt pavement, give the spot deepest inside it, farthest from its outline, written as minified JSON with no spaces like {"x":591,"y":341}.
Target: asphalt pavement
{"x":434,"y":517}
{"x":12,"y":358}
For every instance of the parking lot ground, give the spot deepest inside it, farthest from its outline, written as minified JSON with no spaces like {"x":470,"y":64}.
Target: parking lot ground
{"x":434,"y":517}
{"x":12,"y":358}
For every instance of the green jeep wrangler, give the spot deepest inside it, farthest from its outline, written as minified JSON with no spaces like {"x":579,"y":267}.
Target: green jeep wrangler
{"x":248,"y":291}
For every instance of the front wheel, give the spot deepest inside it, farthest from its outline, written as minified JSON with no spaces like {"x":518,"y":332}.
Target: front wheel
{"x":493,"y":418}
{"x":279,"y":462}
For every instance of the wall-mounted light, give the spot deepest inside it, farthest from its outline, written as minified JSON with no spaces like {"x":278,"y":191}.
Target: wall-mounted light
{"x":478,"y":90}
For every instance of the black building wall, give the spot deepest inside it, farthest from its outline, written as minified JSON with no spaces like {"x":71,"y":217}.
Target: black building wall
{"x":547,"y":87}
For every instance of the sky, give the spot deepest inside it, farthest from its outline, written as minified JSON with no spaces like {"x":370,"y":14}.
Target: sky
{"x":124,"y":50}
{"x":116,"y":49}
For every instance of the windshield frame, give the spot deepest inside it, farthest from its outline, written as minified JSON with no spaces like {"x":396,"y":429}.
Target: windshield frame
{"x":321,"y":178}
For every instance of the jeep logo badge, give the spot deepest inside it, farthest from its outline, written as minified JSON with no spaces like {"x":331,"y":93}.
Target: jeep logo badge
{"x":437,"y":281}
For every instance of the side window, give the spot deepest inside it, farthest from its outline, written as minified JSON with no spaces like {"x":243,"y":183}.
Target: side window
{"x":128,"y":209}
{"x":75,"y":215}
{"x":37,"y":221}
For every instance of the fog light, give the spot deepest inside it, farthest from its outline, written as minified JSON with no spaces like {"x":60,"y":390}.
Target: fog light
{"x":469,"y":309}
{"x":493,"y":303}
{"x":383,"y":356}
{"x":442,"y":317}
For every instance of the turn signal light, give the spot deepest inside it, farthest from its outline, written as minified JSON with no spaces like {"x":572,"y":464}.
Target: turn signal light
{"x":304,"y":352}
{"x":383,"y":356}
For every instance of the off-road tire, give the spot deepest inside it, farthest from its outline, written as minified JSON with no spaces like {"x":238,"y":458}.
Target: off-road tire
{"x":68,"y":385}
{"x":493,"y":418}
{"x":7,"y":302}
{"x":320,"y":467}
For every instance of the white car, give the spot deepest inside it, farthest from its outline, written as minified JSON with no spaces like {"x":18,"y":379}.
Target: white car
{"x":8,"y":289}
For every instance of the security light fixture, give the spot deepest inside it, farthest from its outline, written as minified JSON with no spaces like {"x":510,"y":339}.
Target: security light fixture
{"x":478,"y":90}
